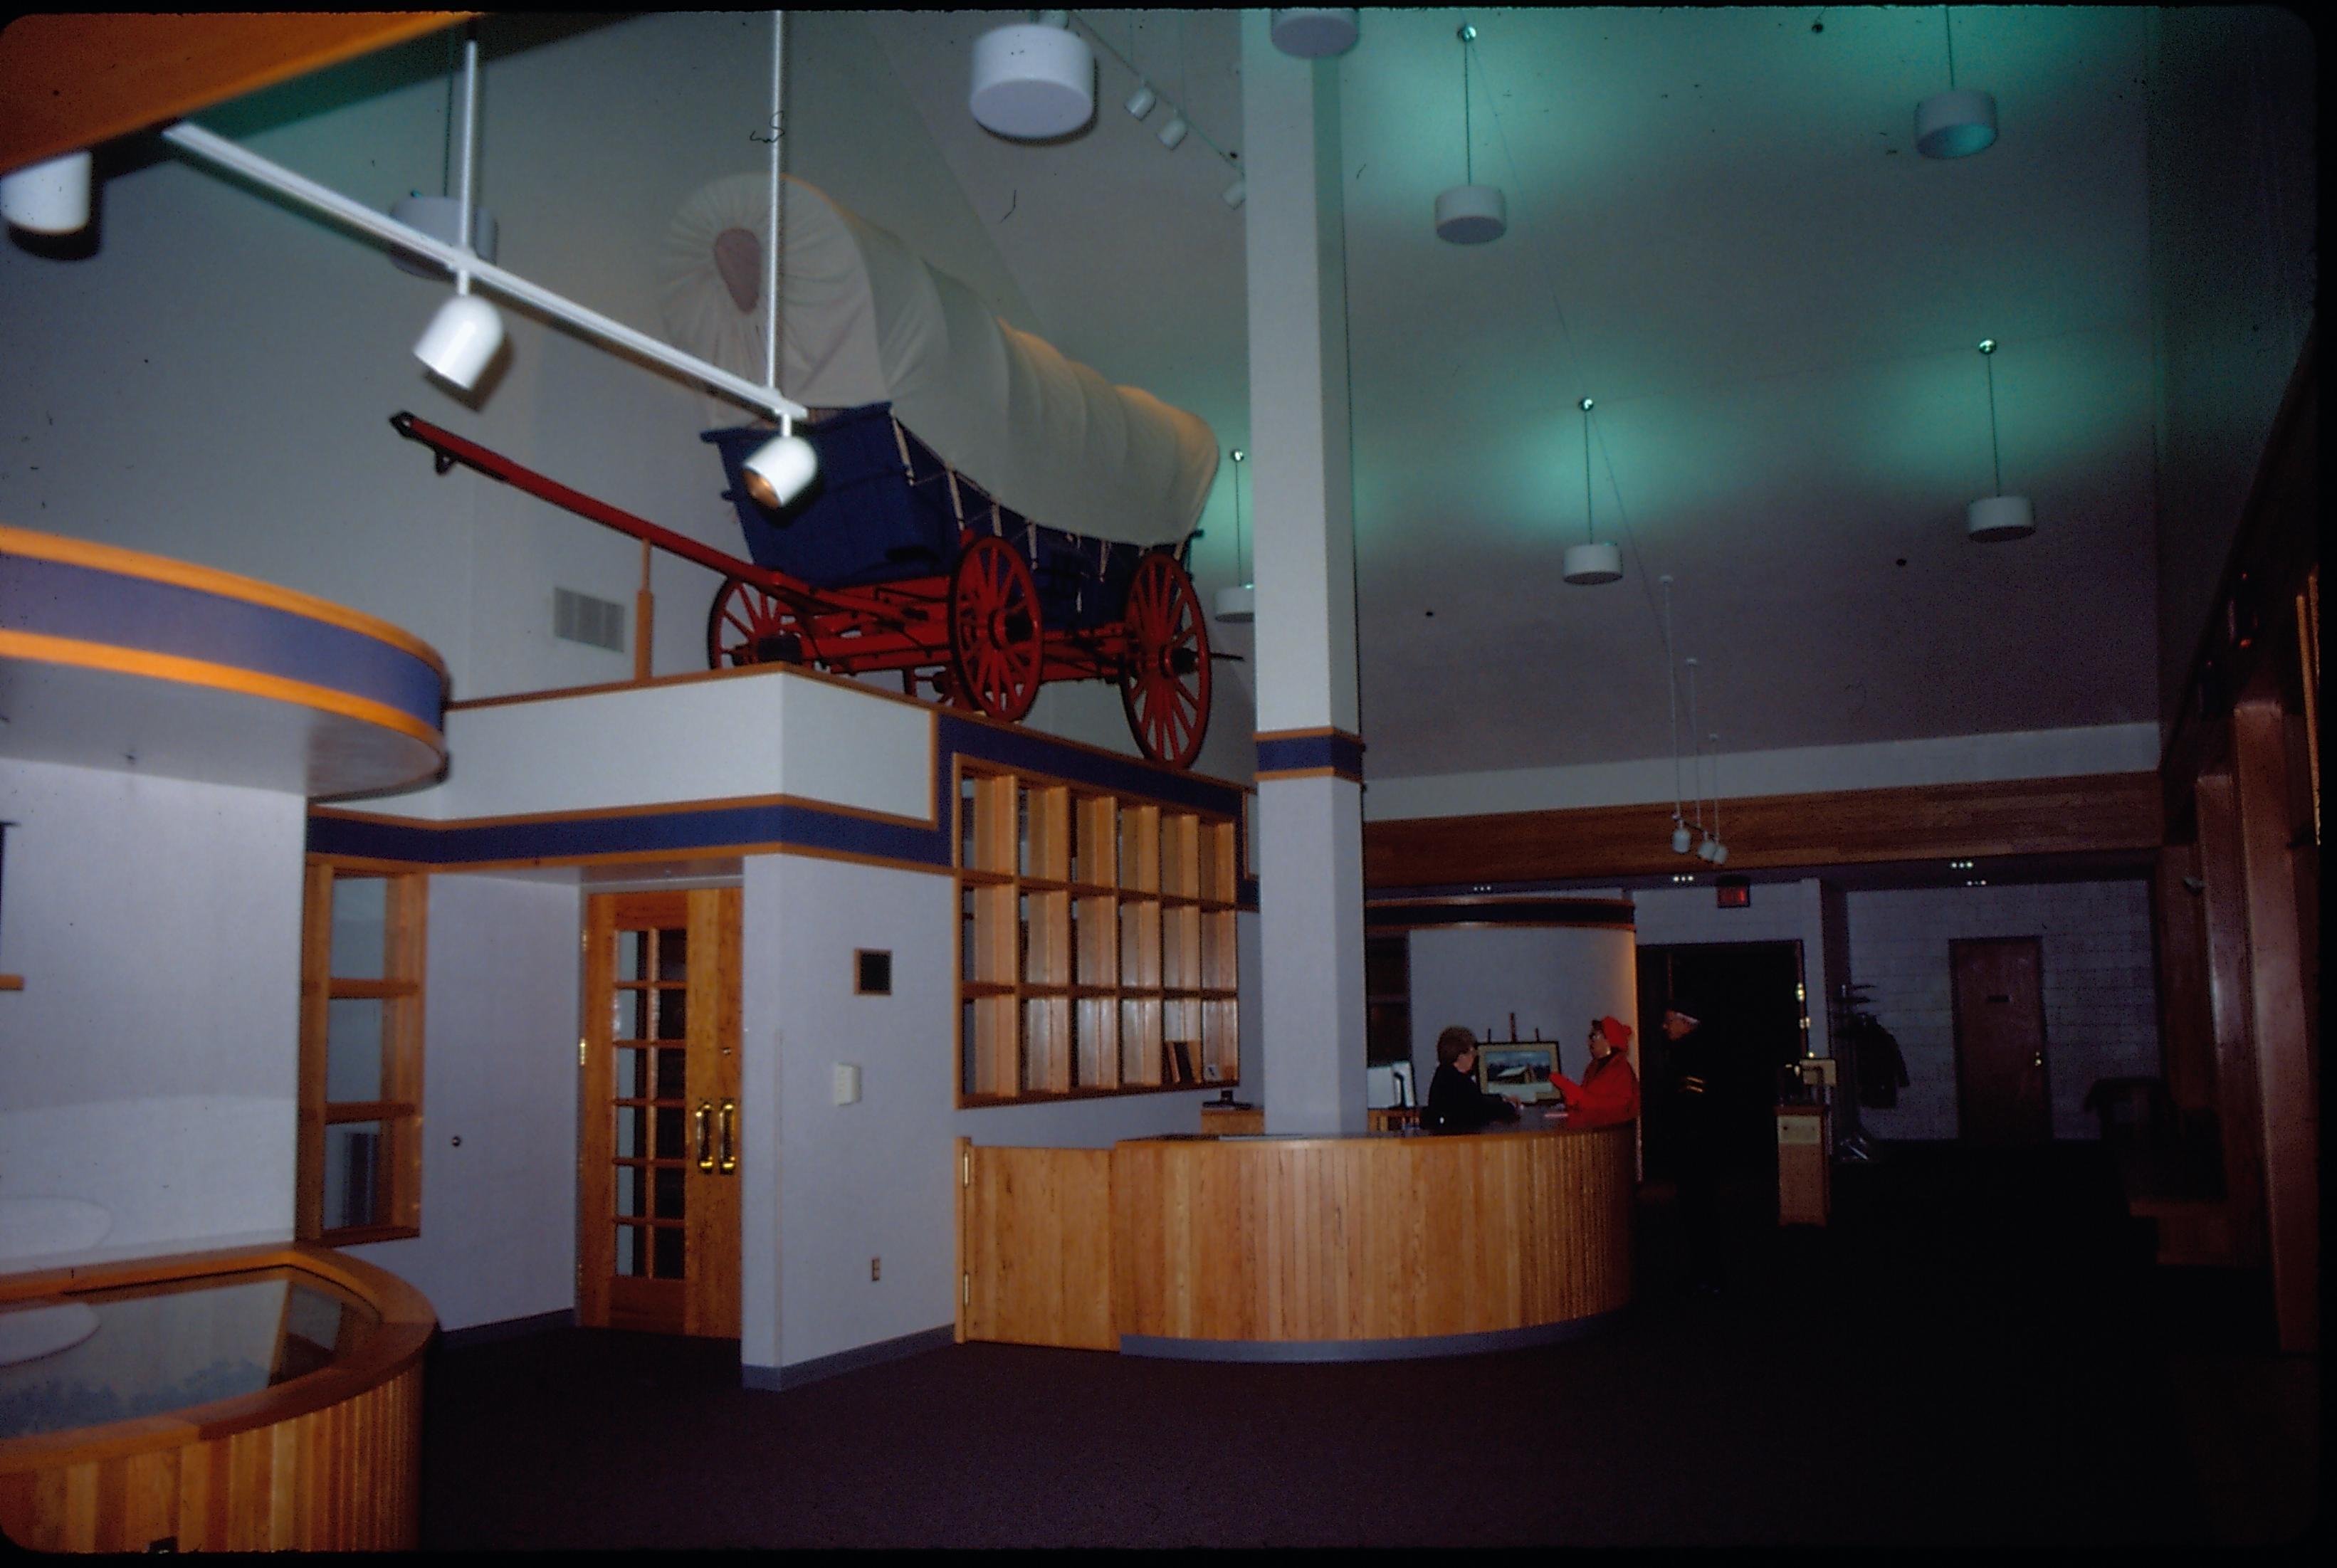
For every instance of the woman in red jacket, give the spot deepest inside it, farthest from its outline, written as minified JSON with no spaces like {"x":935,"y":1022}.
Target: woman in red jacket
{"x":1609,"y":1089}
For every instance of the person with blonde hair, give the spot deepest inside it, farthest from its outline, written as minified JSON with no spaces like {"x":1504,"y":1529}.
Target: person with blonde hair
{"x":1456,"y":1103}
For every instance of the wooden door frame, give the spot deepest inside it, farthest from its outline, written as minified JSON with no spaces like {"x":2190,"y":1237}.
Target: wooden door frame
{"x":1956,"y":1015}
{"x":727,"y":916}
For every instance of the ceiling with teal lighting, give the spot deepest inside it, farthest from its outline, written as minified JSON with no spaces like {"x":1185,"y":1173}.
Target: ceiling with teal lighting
{"x":1720,"y":228}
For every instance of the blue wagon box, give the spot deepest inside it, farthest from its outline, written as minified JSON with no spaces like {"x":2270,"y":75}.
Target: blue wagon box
{"x":881,"y":510}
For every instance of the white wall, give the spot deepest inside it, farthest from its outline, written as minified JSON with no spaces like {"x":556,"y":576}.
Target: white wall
{"x":499,"y":1072}
{"x":844,"y":1184}
{"x":2100,"y":995}
{"x":150,"y":1065}
{"x":1882,"y":764}
{"x":1555,"y":979}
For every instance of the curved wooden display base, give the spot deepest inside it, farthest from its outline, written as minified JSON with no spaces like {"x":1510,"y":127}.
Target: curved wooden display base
{"x":330,"y":1461}
{"x":1375,"y":1247}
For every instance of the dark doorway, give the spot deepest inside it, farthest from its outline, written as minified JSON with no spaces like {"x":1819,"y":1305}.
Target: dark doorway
{"x":1751,"y":1000}
{"x":1999,"y":1012}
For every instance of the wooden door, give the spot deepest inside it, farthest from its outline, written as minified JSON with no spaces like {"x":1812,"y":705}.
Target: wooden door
{"x":1999,"y":1013}
{"x":658,"y":1151}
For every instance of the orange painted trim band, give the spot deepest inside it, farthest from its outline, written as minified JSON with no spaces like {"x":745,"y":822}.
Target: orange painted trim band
{"x":1319,"y":730}
{"x":1309,"y":773}
{"x":184,"y":671}
{"x":211,"y":579}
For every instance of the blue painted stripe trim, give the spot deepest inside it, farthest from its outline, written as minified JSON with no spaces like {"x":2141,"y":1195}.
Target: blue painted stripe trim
{"x":112,"y":609}
{"x":793,"y":825}
{"x":1029,"y":750}
{"x":1341,"y":754}
{"x":1164,"y":1348}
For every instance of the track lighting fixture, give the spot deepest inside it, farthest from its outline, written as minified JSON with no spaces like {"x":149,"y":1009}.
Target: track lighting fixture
{"x":464,"y":335}
{"x":1140,"y":102}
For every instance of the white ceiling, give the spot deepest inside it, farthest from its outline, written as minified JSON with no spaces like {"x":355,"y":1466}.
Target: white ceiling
{"x":1720,"y":230}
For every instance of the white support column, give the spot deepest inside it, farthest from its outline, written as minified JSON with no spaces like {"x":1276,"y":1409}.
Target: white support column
{"x":1310,"y":750}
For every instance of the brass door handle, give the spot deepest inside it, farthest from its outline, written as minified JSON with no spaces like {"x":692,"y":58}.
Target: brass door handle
{"x":2039,"y":1061}
{"x":729,"y":1137}
{"x":705,"y":1151}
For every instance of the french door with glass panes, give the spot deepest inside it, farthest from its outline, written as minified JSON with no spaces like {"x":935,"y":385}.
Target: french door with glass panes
{"x":658,"y":1153}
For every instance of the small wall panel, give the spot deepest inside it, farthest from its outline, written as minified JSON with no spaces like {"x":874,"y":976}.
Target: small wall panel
{"x":1035,"y":1234}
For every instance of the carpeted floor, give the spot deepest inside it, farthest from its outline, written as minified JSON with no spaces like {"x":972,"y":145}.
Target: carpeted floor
{"x":1976,"y":1353}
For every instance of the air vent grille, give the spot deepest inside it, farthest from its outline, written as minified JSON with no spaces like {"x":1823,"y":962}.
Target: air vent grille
{"x":581,"y":617}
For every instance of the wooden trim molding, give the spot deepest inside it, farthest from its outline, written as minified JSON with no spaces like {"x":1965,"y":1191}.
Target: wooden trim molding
{"x":2089,"y":813}
{"x":74,"y":81}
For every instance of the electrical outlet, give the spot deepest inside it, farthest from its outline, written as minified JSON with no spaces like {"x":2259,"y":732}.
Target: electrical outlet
{"x":876,"y":1267}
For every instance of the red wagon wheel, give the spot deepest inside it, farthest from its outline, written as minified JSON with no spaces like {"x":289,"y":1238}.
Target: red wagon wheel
{"x":996,"y":647}
{"x":749,"y":625}
{"x":1165,"y":688}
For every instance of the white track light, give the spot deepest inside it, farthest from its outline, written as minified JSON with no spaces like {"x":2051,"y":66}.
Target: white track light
{"x":781,"y":469}
{"x":460,"y":340}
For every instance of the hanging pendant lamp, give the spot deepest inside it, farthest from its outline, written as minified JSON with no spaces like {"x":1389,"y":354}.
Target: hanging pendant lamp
{"x":51,"y":197}
{"x":1471,"y":213}
{"x":1956,"y":123}
{"x":1993,"y":518}
{"x":1237,"y":603}
{"x":1312,"y":32}
{"x":1033,"y":80}
{"x":462,"y":338}
{"x":784,"y":465}
{"x":1681,"y":840}
{"x":440,"y":216}
{"x":1590,"y":563}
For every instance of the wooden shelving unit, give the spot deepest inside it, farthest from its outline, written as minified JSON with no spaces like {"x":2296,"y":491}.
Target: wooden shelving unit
{"x":1097,"y":942}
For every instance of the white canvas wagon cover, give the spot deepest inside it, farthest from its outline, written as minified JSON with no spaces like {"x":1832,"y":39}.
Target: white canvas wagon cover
{"x":864,"y":319}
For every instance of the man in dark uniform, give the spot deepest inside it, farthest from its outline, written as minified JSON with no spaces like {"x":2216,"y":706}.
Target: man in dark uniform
{"x":1694,"y":1080}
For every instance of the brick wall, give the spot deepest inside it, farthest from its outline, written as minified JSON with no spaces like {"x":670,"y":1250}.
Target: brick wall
{"x":2101,"y":1017}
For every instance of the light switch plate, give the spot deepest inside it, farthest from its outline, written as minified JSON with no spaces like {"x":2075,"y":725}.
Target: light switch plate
{"x":847,"y":1083}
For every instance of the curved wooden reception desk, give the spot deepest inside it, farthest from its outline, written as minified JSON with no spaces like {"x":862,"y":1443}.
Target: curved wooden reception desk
{"x":1366,"y":1247}
{"x":251,"y":1400}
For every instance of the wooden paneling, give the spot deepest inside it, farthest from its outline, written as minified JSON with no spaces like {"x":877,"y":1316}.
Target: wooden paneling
{"x":2281,"y":1030}
{"x":1370,"y":1238}
{"x":327,"y":1462}
{"x":1221,"y":1123}
{"x":72,"y":82}
{"x":2186,"y":1025}
{"x":1034,"y":1234}
{"x":2094,"y":813}
{"x":2238,"y":1113}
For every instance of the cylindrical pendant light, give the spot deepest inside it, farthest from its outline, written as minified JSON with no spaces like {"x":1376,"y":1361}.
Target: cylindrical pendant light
{"x":1311,"y":33}
{"x":1956,"y":123}
{"x":1237,"y":604}
{"x":1469,"y":213}
{"x":461,"y":339}
{"x":49,"y":198}
{"x":1681,"y":840}
{"x":1031,"y":81}
{"x":782,"y":466}
{"x":1994,"y":519}
{"x":1588,"y":564}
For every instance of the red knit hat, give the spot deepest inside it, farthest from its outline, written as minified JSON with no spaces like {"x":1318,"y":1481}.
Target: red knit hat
{"x":1618,"y":1032}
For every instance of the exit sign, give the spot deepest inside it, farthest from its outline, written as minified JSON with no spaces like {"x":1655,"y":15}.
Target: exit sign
{"x":1734,"y":893}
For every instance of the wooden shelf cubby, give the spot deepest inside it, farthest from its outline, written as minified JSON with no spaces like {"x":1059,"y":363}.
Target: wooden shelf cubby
{"x":1098,"y":944}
